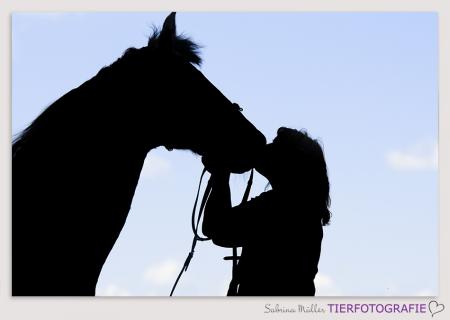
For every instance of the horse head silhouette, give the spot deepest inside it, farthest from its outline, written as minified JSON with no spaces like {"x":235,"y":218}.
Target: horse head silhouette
{"x":76,"y":167}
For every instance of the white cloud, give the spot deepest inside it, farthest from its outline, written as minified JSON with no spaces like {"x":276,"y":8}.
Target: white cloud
{"x":163,"y":273}
{"x":325,"y":286}
{"x":112,"y":290}
{"x":323,"y":280}
{"x":155,"y":166}
{"x":419,"y":157}
{"x":425,"y":293}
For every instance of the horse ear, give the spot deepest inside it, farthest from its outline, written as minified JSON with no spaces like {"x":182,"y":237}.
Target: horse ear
{"x":168,"y":32}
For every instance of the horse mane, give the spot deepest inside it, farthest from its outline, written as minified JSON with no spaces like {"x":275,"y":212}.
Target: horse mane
{"x":182,"y":46}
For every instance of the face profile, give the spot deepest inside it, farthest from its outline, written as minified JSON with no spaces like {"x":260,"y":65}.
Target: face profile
{"x":295,"y":167}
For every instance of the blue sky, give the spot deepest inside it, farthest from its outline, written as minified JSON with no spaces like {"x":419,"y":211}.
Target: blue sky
{"x":365,"y":84}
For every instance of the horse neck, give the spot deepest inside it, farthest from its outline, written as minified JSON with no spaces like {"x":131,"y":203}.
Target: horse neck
{"x":143,"y":133}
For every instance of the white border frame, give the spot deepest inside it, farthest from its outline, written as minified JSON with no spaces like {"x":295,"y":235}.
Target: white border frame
{"x":207,"y":308}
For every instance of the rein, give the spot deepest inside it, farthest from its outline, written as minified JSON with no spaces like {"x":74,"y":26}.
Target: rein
{"x":232,"y":289}
{"x":234,"y":281}
{"x":194,"y":224}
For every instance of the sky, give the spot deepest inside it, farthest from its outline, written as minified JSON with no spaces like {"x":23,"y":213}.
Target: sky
{"x":364,"y":84}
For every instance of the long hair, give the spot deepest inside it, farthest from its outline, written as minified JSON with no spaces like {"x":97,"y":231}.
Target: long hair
{"x":302,"y":160}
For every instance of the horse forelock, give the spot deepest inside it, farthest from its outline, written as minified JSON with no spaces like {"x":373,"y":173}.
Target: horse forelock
{"x":183,"y":46}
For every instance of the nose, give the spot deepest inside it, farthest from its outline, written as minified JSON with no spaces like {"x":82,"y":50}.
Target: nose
{"x":239,"y":156}
{"x":250,"y":153}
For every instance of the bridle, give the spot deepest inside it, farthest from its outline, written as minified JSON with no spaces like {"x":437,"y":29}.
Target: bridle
{"x":194,"y":224}
{"x":232,"y":290}
{"x":234,"y":281}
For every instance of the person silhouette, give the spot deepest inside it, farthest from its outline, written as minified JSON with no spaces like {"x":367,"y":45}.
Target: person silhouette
{"x":280,"y":231}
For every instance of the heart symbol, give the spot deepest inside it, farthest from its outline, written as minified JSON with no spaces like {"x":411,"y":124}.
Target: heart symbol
{"x":435,"y":307}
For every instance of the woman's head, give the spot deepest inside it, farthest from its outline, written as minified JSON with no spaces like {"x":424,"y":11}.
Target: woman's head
{"x":296,"y":163}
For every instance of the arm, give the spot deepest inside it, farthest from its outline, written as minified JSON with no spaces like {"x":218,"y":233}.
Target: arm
{"x":229,"y":226}
{"x":224,"y":224}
